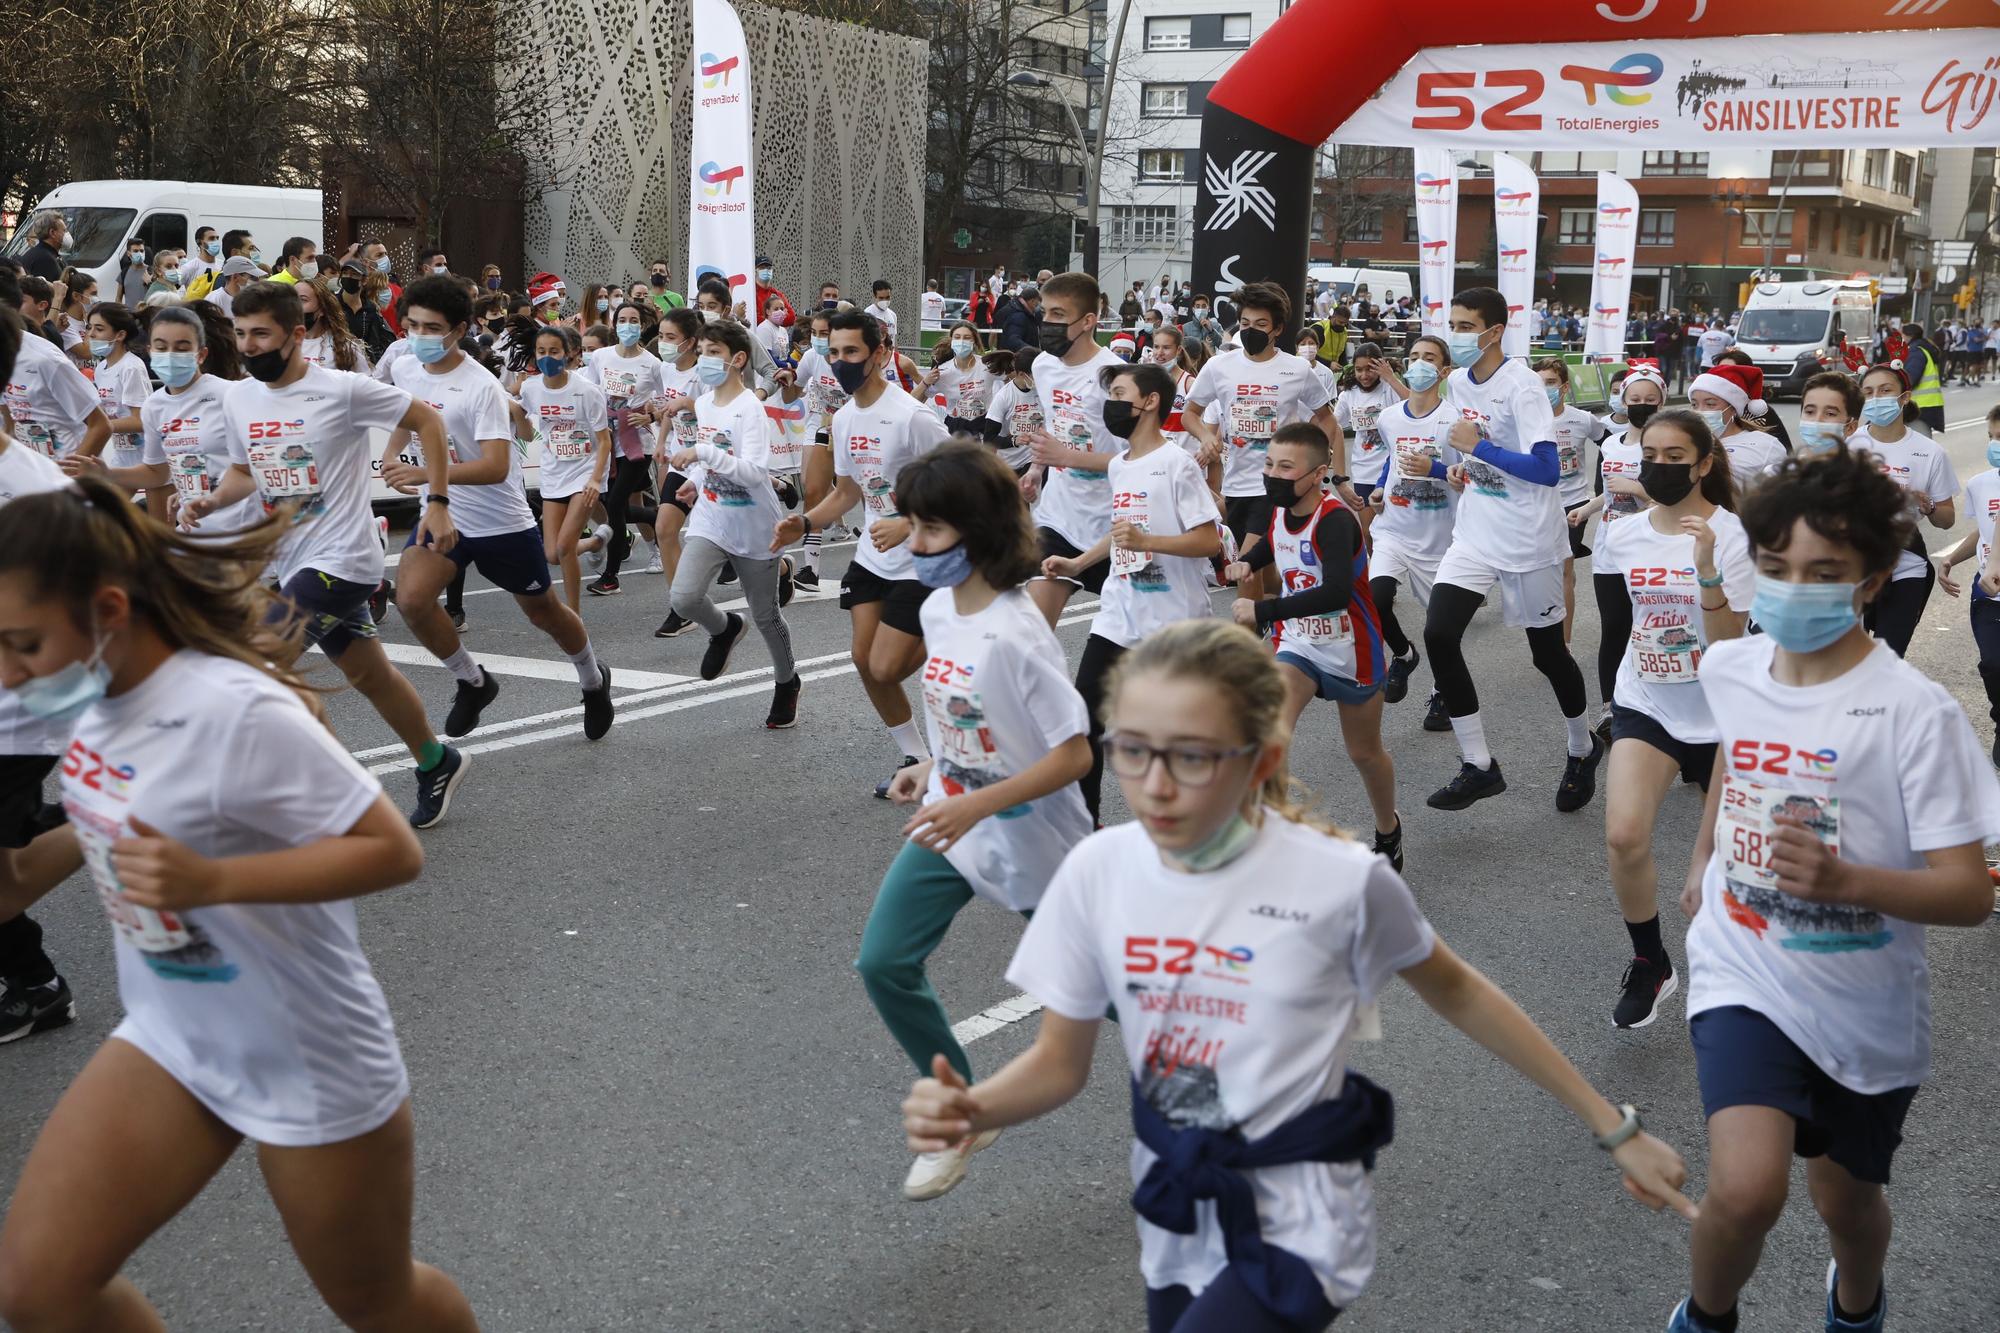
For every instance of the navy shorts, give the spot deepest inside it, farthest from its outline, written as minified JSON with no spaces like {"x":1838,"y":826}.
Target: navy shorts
{"x":1697,"y":761}
{"x":513,"y":561}
{"x":1743,"y":1059}
{"x":1092,"y":577}
{"x":902,"y":599}
{"x":1246,"y":516}
{"x":335,"y":611}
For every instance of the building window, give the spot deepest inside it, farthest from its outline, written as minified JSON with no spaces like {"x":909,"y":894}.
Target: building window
{"x":1815,"y":164}
{"x":1174,"y":34}
{"x":1579,"y":227}
{"x":1905,"y":179}
{"x":1164,"y":99}
{"x":1875,"y":168}
{"x":1656,"y":226}
{"x":1576,"y":164}
{"x":1676,"y":164}
{"x":1146,"y":226}
{"x":1163,"y":164}
{"x":1236,"y":30}
{"x":1766,"y":224}
{"x":1364,"y":224}
{"x":1319,"y":225}
{"x":1410,"y":227}
{"x":1812,"y":229}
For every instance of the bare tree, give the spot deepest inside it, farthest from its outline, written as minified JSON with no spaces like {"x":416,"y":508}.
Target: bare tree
{"x":1354,"y":187}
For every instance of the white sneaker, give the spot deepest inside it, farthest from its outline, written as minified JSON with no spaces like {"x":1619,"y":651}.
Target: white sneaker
{"x":934,"y":1174}
{"x":653,"y":565}
{"x":594,"y":560}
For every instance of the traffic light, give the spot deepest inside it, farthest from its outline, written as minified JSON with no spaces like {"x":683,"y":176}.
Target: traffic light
{"x":1967,"y":294}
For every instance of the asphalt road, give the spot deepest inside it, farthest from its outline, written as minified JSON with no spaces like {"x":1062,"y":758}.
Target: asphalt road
{"x":651,"y":1094}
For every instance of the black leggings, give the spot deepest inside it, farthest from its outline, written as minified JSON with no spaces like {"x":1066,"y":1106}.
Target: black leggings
{"x":24,"y":816}
{"x":1383,"y":592}
{"x":1092,"y":670}
{"x":1894,"y":613}
{"x":1452,"y":609}
{"x":1614,"y":620}
{"x":1986,"y":633}
{"x":629,"y":477}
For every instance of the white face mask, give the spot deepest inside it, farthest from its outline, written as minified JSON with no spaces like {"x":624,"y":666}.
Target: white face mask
{"x":309,"y":270}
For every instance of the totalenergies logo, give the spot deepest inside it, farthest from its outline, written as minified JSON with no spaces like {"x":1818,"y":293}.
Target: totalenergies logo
{"x":715,"y":71}
{"x":718,"y":179}
{"x":1617,"y":213}
{"x":1621,"y":82}
{"x":1609,"y":265}
{"x":1434,"y":246}
{"x":1432,"y":187}
{"x":1512,"y":203}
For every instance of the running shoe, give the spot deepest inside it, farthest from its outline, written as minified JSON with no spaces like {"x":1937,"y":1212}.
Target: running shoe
{"x":604,"y":585}
{"x":808,"y":578}
{"x":673,"y":626}
{"x":788,"y":491}
{"x":594,"y":560}
{"x":597,"y":706}
{"x":435,"y":789}
{"x":1579,"y":780}
{"x":1680,"y":1321}
{"x":934,"y":1174}
{"x":654,"y":565}
{"x":722,"y":647}
{"x":457,"y":614}
{"x":787,"y":583}
{"x":1390,"y":844}
{"x":1471,"y":784}
{"x":1603,"y":728}
{"x":469,"y":703}
{"x":882,"y":787}
{"x":1872,"y":1323}
{"x":784,"y":714}
{"x":1646,"y":983}
{"x":378,"y":601}
{"x":837,"y":533}
{"x":1398,"y":683}
{"x":1435,"y":718}
{"x":27,"y":1010}
{"x":728,"y":574}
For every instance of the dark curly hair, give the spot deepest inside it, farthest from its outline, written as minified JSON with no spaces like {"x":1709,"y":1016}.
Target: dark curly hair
{"x":965,"y":484}
{"x":1844,"y":497}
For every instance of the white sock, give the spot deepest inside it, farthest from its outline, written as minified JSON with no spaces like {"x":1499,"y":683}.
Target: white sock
{"x":460,"y":664}
{"x":909,"y":738}
{"x":587,"y":673}
{"x":1578,"y":728}
{"x":1471,"y":733}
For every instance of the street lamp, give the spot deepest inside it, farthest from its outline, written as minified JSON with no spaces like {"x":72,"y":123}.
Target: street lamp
{"x":1093,"y":161}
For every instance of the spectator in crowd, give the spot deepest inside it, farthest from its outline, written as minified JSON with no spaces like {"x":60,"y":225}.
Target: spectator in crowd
{"x":44,"y":257}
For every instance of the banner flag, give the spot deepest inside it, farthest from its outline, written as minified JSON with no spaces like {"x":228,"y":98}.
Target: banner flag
{"x":722,"y":228}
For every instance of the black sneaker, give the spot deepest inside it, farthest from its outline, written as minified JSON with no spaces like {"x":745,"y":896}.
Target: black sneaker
{"x":597,"y":706}
{"x":1579,"y":781}
{"x":435,"y":789}
{"x":1391,"y":845}
{"x":1471,"y":784}
{"x":784,"y":713}
{"x":457,"y":615}
{"x":808,"y":578}
{"x":728,"y":574}
{"x":673,"y":626}
{"x":27,"y":1010}
{"x":722,"y":647}
{"x":470,"y":702}
{"x":378,"y":601}
{"x":1436,"y":719}
{"x":1646,"y":982}
{"x":788,"y":491}
{"x":603,"y":586}
{"x":786,"y":582}
{"x":882,"y":787}
{"x":1398,"y":683}
{"x":1603,"y":728}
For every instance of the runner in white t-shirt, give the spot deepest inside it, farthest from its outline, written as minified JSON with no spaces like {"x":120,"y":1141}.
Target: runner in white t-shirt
{"x":1014,"y":410}
{"x":1982,"y":501}
{"x":226,"y":833}
{"x":1509,"y":536}
{"x":1923,"y":469}
{"x":573,"y":430}
{"x":962,"y":387}
{"x":1356,"y":411}
{"x":824,"y":397}
{"x":53,"y":407}
{"x":185,"y":452}
{"x":1576,"y":433}
{"x":119,"y":376}
{"x":635,"y":389}
{"x":1243,"y":950}
{"x":1070,"y":484}
{"x":1848,"y":811}
{"x":1724,"y":396}
{"x":497,"y":533}
{"x":883,"y":310}
{"x":931,"y":304}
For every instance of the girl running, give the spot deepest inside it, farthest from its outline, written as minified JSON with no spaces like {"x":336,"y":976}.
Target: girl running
{"x":328,"y":343}
{"x":120,"y":378}
{"x":186,"y":449}
{"x":226,"y":848}
{"x":1000,"y":801}
{"x":1241,"y":945}
{"x":1729,"y":397}
{"x":630,"y":378}
{"x":1619,"y":496}
{"x":570,"y":416}
{"x":1982,"y":497}
{"x":1921,"y":467}
{"x":962,"y":386}
{"x":1015,"y":410}
{"x":1689,"y":579}
{"x":1577,"y":434}
{"x":680,"y":351}
{"x":824,"y":397}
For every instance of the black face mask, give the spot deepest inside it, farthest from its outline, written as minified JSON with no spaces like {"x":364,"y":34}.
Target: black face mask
{"x":1056,"y":339}
{"x":851,"y":374}
{"x":1667,"y":483}
{"x":352,"y":286}
{"x":1640,"y":413}
{"x":1254,"y":340}
{"x":268,"y":366}
{"x":1282,"y":491}
{"x":495,"y":325}
{"x":1120,"y":417}
{"x":659,"y":280}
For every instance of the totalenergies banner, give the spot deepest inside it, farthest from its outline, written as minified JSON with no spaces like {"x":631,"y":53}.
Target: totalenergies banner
{"x":722,"y":230}
{"x":1611,"y":274}
{"x":1437,"y":235}
{"x":1884,"y":90}
{"x":1517,"y":196}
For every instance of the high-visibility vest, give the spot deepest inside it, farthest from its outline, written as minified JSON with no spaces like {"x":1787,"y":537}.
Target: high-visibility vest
{"x":1928,"y":392}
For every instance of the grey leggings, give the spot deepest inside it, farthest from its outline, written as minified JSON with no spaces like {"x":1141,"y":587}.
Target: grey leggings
{"x":701,"y":561}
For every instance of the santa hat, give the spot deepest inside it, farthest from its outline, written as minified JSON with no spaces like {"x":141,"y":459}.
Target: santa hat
{"x":1122,"y":345}
{"x":545,"y":287}
{"x":1647,"y":371}
{"x":1742,"y":387}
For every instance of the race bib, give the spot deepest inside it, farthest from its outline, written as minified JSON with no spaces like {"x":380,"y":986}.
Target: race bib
{"x":1364,"y":427}
{"x":287,"y":473}
{"x":38,"y":437}
{"x":1665,"y":654}
{"x":619,"y":385}
{"x":1321,"y":630}
{"x":1746,"y":831}
{"x":144,"y":929}
{"x":189,"y":474}
{"x":1252,"y":423}
{"x":1570,"y":457}
{"x":1025,"y":417}
{"x":1132,"y":508}
{"x":565,"y":441}
{"x":972,"y":401}
{"x":878,"y":496}
{"x":964,"y":738}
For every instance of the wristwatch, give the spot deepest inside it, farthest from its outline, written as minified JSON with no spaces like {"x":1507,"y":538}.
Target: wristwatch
{"x":807,"y":520}
{"x":437,"y":500}
{"x":1625,"y":1129}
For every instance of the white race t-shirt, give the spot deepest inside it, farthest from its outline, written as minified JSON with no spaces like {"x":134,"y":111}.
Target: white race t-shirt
{"x":736,"y":508}
{"x":25,"y":471}
{"x":886,"y":315}
{"x":1417,"y":513}
{"x":567,"y":422}
{"x":188,"y":432}
{"x":121,"y":390}
{"x":824,"y":396}
{"x":1882,"y":763}
{"x":1358,"y":409}
{"x":1982,"y":501}
{"x":1575,"y":431}
{"x":474,"y":409}
{"x":1920,"y":466}
{"x":627,"y":381}
{"x":1713,"y":343}
{"x":1237,"y":994}
{"x":48,"y":398}
{"x":385,"y":369}
{"x":1246,"y":401}
{"x":1656,"y":676}
{"x":318,"y":350}
{"x":1018,"y":411}
{"x":997,"y":699}
{"x":1076,"y":502}
{"x":1513,"y":526}
{"x":1617,"y":456}
{"x":871,"y":444}
{"x":1753,"y":455}
{"x":963,"y":393}
{"x":268,"y":1013}
{"x":932,"y":305}
{"x":1167,"y":494}
{"x":307,"y":444}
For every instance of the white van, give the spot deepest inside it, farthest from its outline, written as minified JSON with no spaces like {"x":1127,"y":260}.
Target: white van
{"x":104,"y":215}
{"x":1793,"y":330}
{"x":1385,"y":286}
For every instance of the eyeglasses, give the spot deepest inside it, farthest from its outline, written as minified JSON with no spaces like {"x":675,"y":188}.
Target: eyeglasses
{"x":1189,"y":765}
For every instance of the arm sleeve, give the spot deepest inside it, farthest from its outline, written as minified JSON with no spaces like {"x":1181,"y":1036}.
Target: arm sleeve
{"x":984,"y":428}
{"x":1738,"y":570}
{"x":1338,"y":531}
{"x":152,"y":448}
{"x":73,"y":393}
{"x":1343,"y":415}
{"x":1538,"y":467}
{"x":495,"y":422}
{"x":1194,"y":503}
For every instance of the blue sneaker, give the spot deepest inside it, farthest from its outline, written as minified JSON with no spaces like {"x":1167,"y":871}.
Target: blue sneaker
{"x":1681,"y":1321}
{"x":1835,"y":1324}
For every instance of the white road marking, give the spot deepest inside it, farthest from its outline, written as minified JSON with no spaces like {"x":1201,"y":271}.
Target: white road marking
{"x":989,"y":1021}
{"x":414,"y":654}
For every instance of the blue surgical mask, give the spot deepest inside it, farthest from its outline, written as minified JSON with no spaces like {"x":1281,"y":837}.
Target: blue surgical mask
{"x":1804,"y":617}
{"x":1716,"y":422}
{"x":711,"y":369}
{"x":176,"y":369}
{"x":550,"y":366}
{"x":100,"y":348}
{"x":211,"y":248}
{"x":1420,"y":375}
{"x":1555,"y":394}
{"x":1993,"y":453}
{"x":63,"y":696}
{"x":629,"y":334}
{"x":1465,"y":348}
{"x":382,"y":264}
{"x":822,"y":345}
{"x":961,"y":347}
{"x":428,"y":348}
{"x":764,"y":275}
{"x":1882,"y":411}
{"x":603,"y":304}
{"x":1223,"y":846}
{"x":669,"y":351}
{"x":257,"y":258}
{"x":944,"y":569}
{"x":1820,"y":437}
